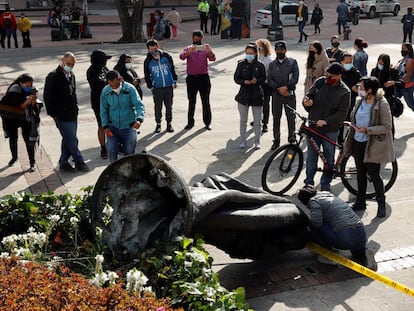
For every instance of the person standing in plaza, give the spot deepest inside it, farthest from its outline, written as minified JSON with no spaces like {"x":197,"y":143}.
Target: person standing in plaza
{"x":175,"y":19}
{"x":301,"y":19}
{"x":333,"y":224}
{"x":10,"y":24}
{"x":370,"y":141}
{"x":317,"y":17}
{"x":238,"y":8}
{"x":96,"y":75}
{"x":198,"y":80}
{"x":2,"y":30}
{"x":283,"y":76}
{"x":125,"y":67}
{"x":342,"y":10}
{"x":24,"y":26}
{"x":161,"y":79}
{"x":408,"y":23}
{"x":250,"y":75}
{"x":122,"y":113}
{"x":405,"y":67}
{"x":62,"y":105}
{"x":75,"y":23}
{"x":265,"y":57}
{"x":21,"y":98}
{"x":203,"y":11}
{"x":316,"y":63}
{"x":334,"y":52}
{"x":160,"y":26}
{"x":327,"y":102}
{"x":214,"y":16}
{"x":360,"y":56}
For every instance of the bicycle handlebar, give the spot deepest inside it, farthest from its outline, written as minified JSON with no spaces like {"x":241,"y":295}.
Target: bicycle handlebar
{"x":304,"y":119}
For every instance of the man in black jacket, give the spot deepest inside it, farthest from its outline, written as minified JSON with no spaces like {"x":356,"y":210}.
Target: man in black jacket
{"x":238,"y":8}
{"x":96,"y":76}
{"x":62,"y":105}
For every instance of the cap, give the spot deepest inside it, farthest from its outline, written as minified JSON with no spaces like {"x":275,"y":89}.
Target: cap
{"x":280,"y":45}
{"x":100,"y":54}
{"x":335,"y":69}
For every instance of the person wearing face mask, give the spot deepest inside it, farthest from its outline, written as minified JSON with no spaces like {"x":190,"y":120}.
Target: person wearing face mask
{"x":96,"y":75}
{"x":250,"y":75}
{"x":161,"y":79}
{"x":334,"y":52}
{"x":197,"y":56}
{"x":351,"y":77}
{"x":316,"y":63}
{"x":283,"y":76}
{"x":122,"y":113}
{"x":388,"y":78}
{"x":317,"y":17}
{"x":405,"y":67}
{"x":125,"y":68}
{"x":160,"y":25}
{"x":370,"y":141}
{"x":62,"y":105}
{"x":301,"y":19}
{"x":327,"y":103}
{"x":21,"y":98}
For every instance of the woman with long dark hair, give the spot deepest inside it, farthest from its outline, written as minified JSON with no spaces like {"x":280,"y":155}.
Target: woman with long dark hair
{"x":370,"y":140}
{"x":316,"y":63}
{"x":125,"y":67}
{"x":21,"y":98}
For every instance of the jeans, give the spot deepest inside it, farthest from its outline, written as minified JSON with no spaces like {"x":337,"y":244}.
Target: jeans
{"x":236,"y":27}
{"x":341,"y":22}
{"x":202,"y":84}
{"x":69,"y":146}
{"x":124,"y":140}
{"x":301,"y":26}
{"x":352,"y":238}
{"x":10,"y":33}
{"x":257,"y":114}
{"x":160,"y":95}
{"x":312,"y":160}
{"x":408,"y":96}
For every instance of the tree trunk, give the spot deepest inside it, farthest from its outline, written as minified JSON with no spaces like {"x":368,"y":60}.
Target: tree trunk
{"x":131,"y":24}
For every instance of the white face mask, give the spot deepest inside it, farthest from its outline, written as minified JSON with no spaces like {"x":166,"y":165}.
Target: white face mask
{"x":128,"y":65}
{"x":67,"y":68}
{"x":301,"y":2}
{"x":362,"y":93}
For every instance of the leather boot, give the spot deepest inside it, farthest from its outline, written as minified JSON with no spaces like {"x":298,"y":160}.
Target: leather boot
{"x":360,"y":203}
{"x":381,"y":206}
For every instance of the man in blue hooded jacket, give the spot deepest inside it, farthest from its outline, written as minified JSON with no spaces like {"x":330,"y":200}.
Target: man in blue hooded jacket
{"x":122,"y":113}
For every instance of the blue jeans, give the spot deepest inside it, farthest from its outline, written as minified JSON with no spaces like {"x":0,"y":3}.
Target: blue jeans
{"x":301,"y":26}
{"x":124,"y":140}
{"x":353,"y":238}
{"x":312,"y":160}
{"x":408,"y":96}
{"x":70,"y":142}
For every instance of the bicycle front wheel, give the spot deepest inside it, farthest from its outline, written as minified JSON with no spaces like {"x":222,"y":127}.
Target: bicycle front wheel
{"x":388,"y":173}
{"x":282,"y":169}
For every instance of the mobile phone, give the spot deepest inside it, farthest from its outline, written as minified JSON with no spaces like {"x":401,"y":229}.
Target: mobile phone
{"x":351,"y":124}
{"x":200,"y":47}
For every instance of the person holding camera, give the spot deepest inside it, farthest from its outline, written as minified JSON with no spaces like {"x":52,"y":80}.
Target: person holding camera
{"x":19,"y":109}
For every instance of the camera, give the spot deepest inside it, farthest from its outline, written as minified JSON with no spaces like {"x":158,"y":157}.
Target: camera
{"x":34,"y":91}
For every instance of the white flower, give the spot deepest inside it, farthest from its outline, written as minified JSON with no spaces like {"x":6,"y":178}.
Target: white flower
{"x":99,"y":259}
{"x":112,"y":276}
{"x":10,"y":241}
{"x":22,"y":252}
{"x":135,"y":280}
{"x":99,"y":279}
{"x":54,"y":219}
{"x":74,"y":222}
{"x":98,"y":232}
{"x":107,"y":211}
{"x":4,"y":255}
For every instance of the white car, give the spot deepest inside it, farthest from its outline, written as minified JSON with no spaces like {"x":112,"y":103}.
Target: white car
{"x":287,"y":14}
{"x":374,"y":7}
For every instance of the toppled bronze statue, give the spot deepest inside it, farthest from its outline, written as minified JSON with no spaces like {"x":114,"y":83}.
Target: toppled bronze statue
{"x":151,"y":201}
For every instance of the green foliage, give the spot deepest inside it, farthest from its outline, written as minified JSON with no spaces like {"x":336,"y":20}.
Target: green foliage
{"x":182,"y":269}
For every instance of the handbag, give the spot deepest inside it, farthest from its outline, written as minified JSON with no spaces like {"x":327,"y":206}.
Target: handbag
{"x":396,"y":106}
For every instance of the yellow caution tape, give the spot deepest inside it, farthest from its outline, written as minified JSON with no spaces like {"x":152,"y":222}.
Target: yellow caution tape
{"x":359,"y":268}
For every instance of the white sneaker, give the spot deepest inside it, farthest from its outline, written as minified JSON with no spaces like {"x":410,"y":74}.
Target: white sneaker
{"x":257,"y":146}
{"x":326,"y":261}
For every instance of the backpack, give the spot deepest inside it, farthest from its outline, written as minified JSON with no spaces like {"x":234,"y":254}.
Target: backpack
{"x":167,"y":31}
{"x":396,"y":106}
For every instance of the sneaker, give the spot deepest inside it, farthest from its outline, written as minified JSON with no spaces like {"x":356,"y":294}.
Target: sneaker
{"x":370,"y":260}
{"x":32,"y":168}
{"x":104,"y":153}
{"x":208,"y":127}
{"x":242,"y":145}
{"x":12,"y":161}
{"x":158,"y":128}
{"x":66,"y":167}
{"x":82,"y":167}
{"x":275,"y":145}
{"x":257,"y":146}
{"x":170,"y":129}
{"x":326,"y":261}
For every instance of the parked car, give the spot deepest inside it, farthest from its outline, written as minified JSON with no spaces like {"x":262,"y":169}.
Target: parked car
{"x":374,"y":7}
{"x":287,"y":14}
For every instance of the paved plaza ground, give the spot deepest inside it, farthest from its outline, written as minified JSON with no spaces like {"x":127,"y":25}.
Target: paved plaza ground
{"x":272,"y":284}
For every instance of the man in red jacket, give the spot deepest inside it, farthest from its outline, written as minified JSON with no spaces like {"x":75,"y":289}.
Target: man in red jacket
{"x":8,"y":22}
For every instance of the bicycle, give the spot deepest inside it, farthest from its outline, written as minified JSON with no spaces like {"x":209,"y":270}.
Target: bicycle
{"x":284,"y":166}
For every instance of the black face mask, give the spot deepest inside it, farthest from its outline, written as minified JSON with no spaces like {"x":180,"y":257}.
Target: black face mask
{"x":280,"y":55}
{"x":335,"y":44}
{"x":404,"y":53}
{"x":196,"y":43}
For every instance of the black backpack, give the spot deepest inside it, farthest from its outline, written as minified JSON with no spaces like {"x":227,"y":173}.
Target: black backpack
{"x":167,"y":32}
